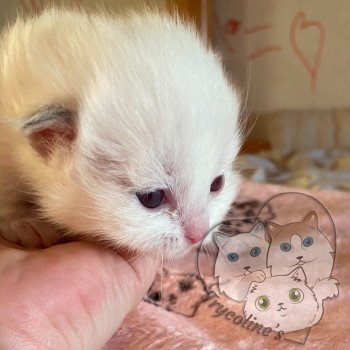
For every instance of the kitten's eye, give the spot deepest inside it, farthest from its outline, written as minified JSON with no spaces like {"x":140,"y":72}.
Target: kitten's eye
{"x":152,"y":199}
{"x":296,"y":295}
{"x":233,"y":257}
{"x":285,"y":247}
{"x":217,"y":184}
{"x":255,"y":252}
{"x":262,"y":303}
{"x":308,"y":241}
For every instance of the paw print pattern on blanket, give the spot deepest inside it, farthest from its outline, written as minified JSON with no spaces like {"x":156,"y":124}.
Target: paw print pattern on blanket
{"x":181,"y":293}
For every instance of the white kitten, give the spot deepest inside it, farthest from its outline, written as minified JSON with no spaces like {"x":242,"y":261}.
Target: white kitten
{"x":121,"y":130}
{"x":287,"y":303}
{"x":241,"y":260}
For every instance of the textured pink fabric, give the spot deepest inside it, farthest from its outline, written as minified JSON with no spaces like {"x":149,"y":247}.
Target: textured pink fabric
{"x":153,"y":327}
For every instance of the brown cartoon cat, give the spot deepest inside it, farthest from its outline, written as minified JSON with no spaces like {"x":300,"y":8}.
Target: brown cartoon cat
{"x":300,"y":244}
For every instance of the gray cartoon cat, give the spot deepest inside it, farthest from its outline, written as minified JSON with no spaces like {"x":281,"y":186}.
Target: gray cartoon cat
{"x":241,"y":260}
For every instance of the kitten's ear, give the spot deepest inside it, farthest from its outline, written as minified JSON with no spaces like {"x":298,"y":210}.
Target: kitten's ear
{"x":298,"y":274}
{"x":311,"y":220}
{"x":50,"y":127}
{"x":220,"y":239}
{"x":273,"y":229}
{"x":258,"y":230}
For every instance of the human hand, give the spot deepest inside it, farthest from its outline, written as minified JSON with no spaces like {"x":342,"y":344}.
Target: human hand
{"x":70,"y":296}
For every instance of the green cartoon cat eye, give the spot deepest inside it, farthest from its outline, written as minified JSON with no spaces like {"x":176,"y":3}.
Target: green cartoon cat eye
{"x":296,"y":295}
{"x":262,"y":303}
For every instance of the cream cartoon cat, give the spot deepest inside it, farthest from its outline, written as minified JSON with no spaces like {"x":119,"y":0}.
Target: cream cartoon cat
{"x":287,"y":303}
{"x":241,"y":261}
{"x":300,"y":244}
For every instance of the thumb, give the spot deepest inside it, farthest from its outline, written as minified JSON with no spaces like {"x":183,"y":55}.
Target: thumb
{"x":69,"y":296}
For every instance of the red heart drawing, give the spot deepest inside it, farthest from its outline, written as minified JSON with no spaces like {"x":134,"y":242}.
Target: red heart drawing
{"x":300,"y":23}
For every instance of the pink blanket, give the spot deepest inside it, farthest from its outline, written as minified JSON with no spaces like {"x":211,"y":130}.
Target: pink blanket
{"x":178,"y":315}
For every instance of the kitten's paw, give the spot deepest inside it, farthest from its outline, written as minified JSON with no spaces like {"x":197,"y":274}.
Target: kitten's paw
{"x":257,"y":276}
{"x":326,"y":288}
{"x":333,"y":287}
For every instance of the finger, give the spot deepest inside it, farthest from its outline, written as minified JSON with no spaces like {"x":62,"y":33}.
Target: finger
{"x":70,"y":296}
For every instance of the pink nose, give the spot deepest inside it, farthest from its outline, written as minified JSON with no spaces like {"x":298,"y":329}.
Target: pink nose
{"x":196,"y":227}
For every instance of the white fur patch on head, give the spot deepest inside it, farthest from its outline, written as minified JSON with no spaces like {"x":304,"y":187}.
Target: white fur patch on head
{"x":154,"y":111}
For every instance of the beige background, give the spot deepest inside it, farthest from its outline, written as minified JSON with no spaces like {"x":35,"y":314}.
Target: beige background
{"x":279,"y":80}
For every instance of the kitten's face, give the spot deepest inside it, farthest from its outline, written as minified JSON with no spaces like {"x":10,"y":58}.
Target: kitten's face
{"x":297,"y":244}
{"x":156,"y":128}
{"x":155,"y":152}
{"x":284,"y":303}
{"x":168,"y":192}
{"x":241,"y":254}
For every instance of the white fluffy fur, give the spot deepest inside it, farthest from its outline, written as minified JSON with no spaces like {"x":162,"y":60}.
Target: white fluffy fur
{"x":154,"y":110}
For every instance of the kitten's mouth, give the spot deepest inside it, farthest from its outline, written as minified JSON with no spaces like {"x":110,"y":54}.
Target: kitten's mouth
{"x":301,"y":262}
{"x":283,"y":315}
{"x":242,"y":275}
{"x":282,"y":308}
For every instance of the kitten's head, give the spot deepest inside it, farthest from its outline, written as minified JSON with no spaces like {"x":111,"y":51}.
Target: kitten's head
{"x":243,"y":253}
{"x":283,"y":303}
{"x":297,"y":244}
{"x":141,"y":125}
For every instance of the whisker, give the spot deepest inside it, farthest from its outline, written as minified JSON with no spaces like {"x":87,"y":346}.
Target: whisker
{"x":161,"y":280}
{"x":135,"y":258}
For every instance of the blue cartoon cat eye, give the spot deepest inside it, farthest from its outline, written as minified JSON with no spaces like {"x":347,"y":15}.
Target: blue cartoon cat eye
{"x":308,"y":241}
{"x":285,"y":247}
{"x":255,"y":252}
{"x":233,"y":257}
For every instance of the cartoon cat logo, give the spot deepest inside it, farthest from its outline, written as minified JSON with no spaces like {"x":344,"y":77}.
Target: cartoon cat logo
{"x":286,"y":303}
{"x":240,"y":261}
{"x":282,"y":277}
{"x":300,"y":244}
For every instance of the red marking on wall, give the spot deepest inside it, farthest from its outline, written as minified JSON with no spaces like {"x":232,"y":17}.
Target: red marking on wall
{"x":264,"y":50}
{"x":298,"y":25}
{"x":257,"y":28}
{"x":222,"y":33}
{"x":232,"y":26}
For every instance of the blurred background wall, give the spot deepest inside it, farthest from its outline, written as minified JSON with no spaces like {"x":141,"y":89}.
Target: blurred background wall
{"x":295,"y":53}
{"x":290,"y":61}
{"x":290,"y":57}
